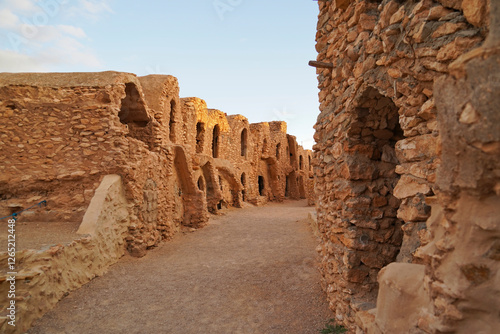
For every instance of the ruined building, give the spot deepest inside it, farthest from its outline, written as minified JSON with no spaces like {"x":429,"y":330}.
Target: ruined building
{"x":407,"y":164}
{"x":127,"y":163}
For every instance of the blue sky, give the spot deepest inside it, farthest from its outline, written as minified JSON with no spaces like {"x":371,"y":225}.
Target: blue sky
{"x":244,"y":57}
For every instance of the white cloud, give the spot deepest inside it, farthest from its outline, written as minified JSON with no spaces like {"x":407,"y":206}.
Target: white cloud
{"x":72,"y":56}
{"x":72,"y":30}
{"x":25,"y":6}
{"x":8,"y":20}
{"x":96,"y":7}
{"x":90,"y":9}
{"x":39,"y":37}
{"x":11,"y":61}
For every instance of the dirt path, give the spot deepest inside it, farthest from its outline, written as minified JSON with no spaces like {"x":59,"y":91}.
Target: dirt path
{"x":250,"y":271}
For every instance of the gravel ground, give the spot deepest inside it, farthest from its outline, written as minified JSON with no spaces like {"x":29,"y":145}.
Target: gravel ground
{"x":251,"y":270}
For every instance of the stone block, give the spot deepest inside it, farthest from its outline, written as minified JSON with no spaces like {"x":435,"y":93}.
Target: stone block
{"x":402,"y":298}
{"x":417,"y":148}
{"x":475,"y":11}
{"x":410,"y":186}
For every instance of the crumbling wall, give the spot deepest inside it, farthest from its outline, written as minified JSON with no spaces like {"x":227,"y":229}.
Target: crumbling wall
{"x":58,"y":139}
{"x":62,"y":133}
{"x":195,"y":111}
{"x":43,"y":276}
{"x":462,"y":255}
{"x":96,"y":124}
{"x":161,"y":93}
{"x":377,"y":135}
{"x":277,"y":177}
{"x":259,"y":178}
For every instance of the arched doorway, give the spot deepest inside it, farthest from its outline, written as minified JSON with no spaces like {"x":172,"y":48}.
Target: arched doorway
{"x":261,"y":185}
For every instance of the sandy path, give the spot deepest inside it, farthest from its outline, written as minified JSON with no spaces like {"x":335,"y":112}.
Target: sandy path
{"x":250,"y":271}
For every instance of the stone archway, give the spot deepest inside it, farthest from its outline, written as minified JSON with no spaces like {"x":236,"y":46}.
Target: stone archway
{"x":262,"y":185}
{"x":368,"y":233}
{"x":133,"y":113}
{"x":212,"y":193}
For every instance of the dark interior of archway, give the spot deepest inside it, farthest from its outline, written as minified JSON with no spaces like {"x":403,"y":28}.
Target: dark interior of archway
{"x":261,"y":185}
{"x":244,"y":142}
{"x":171,"y":124}
{"x":376,"y":128}
{"x":201,"y":183}
{"x":287,"y":186}
{"x":200,"y":137}
{"x":133,"y":113}
{"x":215,"y":141}
{"x":243,"y":183}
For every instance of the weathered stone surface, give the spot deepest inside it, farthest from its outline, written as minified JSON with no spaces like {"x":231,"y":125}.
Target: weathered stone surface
{"x":417,"y":148}
{"x":476,"y":12}
{"x":414,"y":209}
{"x":411,"y":186}
{"x":380,"y":119}
{"x":402,"y":297}
{"x":177,"y":159}
{"x":469,"y":115}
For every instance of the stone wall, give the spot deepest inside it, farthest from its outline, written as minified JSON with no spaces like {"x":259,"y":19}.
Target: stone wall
{"x":378,"y":137}
{"x":62,"y":132}
{"x":45,"y":275}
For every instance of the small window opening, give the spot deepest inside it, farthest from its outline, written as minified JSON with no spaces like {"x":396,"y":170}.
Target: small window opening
{"x":261,"y":185}
{"x":171,"y":124}
{"x":200,"y":137}
{"x":215,"y":141}
{"x":244,"y":140}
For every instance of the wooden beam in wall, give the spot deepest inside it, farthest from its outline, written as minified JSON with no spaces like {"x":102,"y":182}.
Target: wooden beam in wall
{"x":320,"y":64}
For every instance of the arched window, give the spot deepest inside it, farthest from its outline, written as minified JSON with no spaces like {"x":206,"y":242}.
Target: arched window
{"x":200,"y":137}
{"x":171,"y":124}
{"x":278,"y":148}
{"x":133,"y":113}
{"x":244,"y":142}
{"x":300,"y":162}
{"x":215,"y":141}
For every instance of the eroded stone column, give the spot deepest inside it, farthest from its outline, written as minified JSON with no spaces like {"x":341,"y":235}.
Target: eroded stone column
{"x":464,"y":254}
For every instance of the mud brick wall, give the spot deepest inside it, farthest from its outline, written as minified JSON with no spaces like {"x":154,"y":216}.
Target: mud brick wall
{"x":377,"y":137}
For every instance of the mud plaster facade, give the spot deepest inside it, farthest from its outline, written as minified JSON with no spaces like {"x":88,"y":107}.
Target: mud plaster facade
{"x":407,"y":164}
{"x":61,"y":134}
